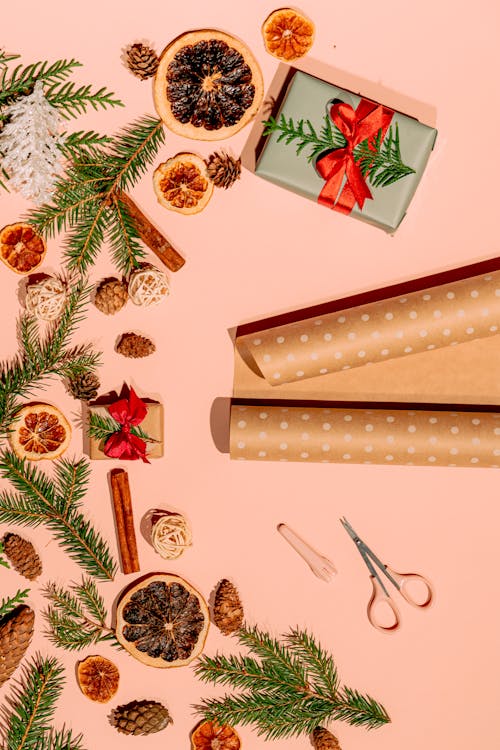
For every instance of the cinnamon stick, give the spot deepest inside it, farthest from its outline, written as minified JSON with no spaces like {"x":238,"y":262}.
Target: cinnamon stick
{"x":151,"y":236}
{"x":122,"y":503}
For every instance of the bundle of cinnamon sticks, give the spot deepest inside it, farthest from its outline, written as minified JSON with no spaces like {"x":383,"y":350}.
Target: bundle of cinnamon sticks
{"x":122,"y":503}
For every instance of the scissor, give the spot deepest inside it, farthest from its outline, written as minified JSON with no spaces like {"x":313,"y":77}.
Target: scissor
{"x":380,"y":594}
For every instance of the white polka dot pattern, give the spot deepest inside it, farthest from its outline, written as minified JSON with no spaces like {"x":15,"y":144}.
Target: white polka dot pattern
{"x":377,"y":436}
{"x":422,"y":321}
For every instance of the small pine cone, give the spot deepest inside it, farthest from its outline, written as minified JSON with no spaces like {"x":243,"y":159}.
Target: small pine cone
{"x":16,"y":631}
{"x":84,"y":387}
{"x":22,"y":555}
{"x":133,"y":345}
{"x":142,"y":61}
{"x":322,"y":739}
{"x":140,"y":717}
{"x":111,"y":295}
{"x":228,"y":610}
{"x":223,"y":169}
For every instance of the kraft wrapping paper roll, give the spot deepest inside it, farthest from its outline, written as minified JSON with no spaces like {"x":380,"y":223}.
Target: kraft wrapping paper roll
{"x":369,"y":436}
{"x":433,"y":318}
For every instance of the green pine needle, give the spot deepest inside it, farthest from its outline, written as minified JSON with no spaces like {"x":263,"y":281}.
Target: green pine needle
{"x":289,"y":687}
{"x":38,"y":500}
{"x":10,"y":603}
{"x":101,"y":428}
{"x":30,"y":709}
{"x":3,"y":561}
{"x":76,"y":617}
{"x":379,"y":161}
{"x":86,"y":199}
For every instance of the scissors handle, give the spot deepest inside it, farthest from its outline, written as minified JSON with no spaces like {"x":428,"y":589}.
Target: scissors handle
{"x":381,"y":601}
{"x":406,"y":581}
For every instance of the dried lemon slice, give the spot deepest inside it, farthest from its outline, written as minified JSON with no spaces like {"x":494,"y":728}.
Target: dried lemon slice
{"x":287,"y":34}
{"x":98,"y":678}
{"x":39,"y":431}
{"x":182,"y":184}
{"x":21,"y":248}
{"x":209,"y":735}
{"x":162,"y":621}
{"x":208,"y":85}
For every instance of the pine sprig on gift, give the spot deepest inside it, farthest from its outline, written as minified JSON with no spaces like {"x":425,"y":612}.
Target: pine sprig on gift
{"x":379,"y":159}
{"x":86,"y":201}
{"x":43,"y":358}
{"x":101,"y":428}
{"x":31,"y":709}
{"x":76,"y":617}
{"x":289,"y":687}
{"x":38,"y":499}
{"x":10,"y":603}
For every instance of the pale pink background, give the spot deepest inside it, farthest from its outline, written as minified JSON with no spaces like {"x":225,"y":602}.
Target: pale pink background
{"x":257,"y":250}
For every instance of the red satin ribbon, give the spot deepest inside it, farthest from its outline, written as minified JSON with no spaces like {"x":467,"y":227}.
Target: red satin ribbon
{"x":128,"y":412}
{"x":356,"y":126}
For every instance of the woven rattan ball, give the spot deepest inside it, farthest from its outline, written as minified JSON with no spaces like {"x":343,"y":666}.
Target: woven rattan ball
{"x":46,"y":298}
{"x":147,"y":286}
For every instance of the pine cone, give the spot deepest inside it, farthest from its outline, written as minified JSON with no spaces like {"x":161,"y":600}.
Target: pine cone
{"x":228,"y":610}
{"x":22,"y":555}
{"x":223,"y":169}
{"x":15,"y":636}
{"x":111,"y":295}
{"x":133,"y":345}
{"x":84,"y":387}
{"x":140,"y":717}
{"x":322,"y":739}
{"x":142,"y":61}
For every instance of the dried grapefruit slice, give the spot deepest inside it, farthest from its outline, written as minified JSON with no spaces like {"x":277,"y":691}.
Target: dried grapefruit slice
{"x":39,"y":431}
{"x":208,"y":85}
{"x":162,"y":621}
{"x":287,"y":34}
{"x":209,"y":735}
{"x":98,"y":678}
{"x":21,"y":248}
{"x":182,"y":184}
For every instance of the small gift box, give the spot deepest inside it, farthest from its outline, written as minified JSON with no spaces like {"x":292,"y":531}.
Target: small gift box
{"x":345,"y":152}
{"x":125,"y":427}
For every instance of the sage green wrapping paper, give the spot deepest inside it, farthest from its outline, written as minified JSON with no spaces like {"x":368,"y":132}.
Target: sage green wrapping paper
{"x":308,"y":98}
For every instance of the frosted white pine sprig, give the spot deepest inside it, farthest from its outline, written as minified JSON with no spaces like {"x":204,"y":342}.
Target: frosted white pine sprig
{"x":29,"y":146}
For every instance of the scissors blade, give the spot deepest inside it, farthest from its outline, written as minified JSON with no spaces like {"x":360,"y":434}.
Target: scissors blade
{"x":366,"y":554}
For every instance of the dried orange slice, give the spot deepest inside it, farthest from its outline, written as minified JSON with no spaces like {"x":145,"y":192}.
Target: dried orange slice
{"x":209,"y":735}
{"x":287,"y":34}
{"x":98,"y":678}
{"x":208,"y":85}
{"x":39,"y":431}
{"x":182,"y":184}
{"x":21,"y":248}
{"x":162,"y":621}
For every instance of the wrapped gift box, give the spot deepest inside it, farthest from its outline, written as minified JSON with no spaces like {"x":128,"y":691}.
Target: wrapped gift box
{"x":337,"y":177}
{"x":152,"y":425}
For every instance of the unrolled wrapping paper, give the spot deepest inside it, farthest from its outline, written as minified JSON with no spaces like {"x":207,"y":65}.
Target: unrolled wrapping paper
{"x":440,"y":316}
{"x":433,"y":344}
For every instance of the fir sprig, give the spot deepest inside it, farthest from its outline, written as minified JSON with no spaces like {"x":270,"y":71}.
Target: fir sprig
{"x":289,"y":688}
{"x":86,"y":201}
{"x":39,"y":499}
{"x":76,"y":617}
{"x":10,"y":603}
{"x":101,"y":428}
{"x":3,"y":561}
{"x":43,"y":358}
{"x":379,"y":159}
{"x":31,"y":708}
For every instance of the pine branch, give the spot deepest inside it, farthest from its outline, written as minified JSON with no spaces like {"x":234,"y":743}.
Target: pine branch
{"x":39,"y":360}
{"x":86,"y":199}
{"x":76,"y":617}
{"x":59,"y":739}
{"x":72,"y":100}
{"x":293,"y":688}
{"x":101,"y":428}
{"x":8,"y":604}
{"x":33,"y":703}
{"x":379,"y":159}
{"x":3,"y":561}
{"x":22,"y":79}
{"x":39,"y":500}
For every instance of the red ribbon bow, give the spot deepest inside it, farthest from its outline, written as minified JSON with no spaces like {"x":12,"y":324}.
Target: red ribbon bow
{"x":356,"y":126}
{"x":128,"y":412}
